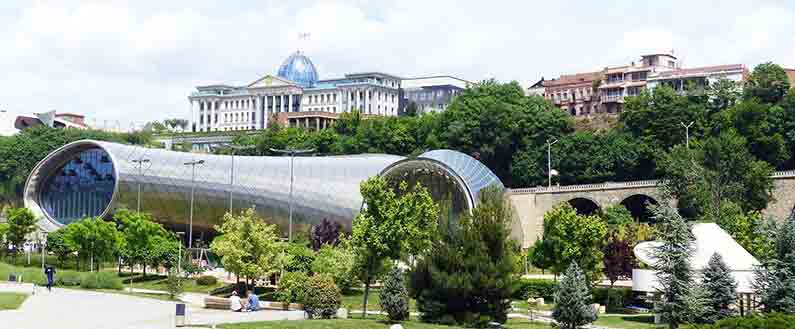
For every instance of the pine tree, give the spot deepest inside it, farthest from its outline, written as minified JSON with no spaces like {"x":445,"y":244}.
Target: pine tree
{"x":573,"y":307}
{"x":466,"y":277}
{"x":775,"y":280}
{"x":721,"y":290}
{"x":394,"y":297}
{"x":681,"y":301}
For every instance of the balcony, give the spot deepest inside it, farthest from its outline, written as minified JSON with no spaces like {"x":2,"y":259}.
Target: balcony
{"x":612,"y":98}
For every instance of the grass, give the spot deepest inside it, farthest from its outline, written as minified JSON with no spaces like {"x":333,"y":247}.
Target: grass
{"x":11,"y":300}
{"x":371,"y":322}
{"x":622,"y":321}
{"x":353,"y":300}
{"x":35,"y":275}
{"x":521,"y":306}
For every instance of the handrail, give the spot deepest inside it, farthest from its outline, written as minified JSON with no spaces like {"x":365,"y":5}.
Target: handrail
{"x":613,"y":185}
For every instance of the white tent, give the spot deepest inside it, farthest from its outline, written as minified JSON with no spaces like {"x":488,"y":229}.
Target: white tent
{"x":710,"y":239}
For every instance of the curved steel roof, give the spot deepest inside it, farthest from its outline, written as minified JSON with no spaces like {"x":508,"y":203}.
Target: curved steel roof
{"x":324,"y":187}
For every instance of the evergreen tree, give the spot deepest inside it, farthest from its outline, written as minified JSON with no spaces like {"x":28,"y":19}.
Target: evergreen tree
{"x":775,"y":279}
{"x":573,"y":307}
{"x":394,"y":297}
{"x":680,"y":302}
{"x":466,"y":277}
{"x":721,"y":290}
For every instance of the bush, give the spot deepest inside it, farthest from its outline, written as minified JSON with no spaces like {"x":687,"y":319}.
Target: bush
{"x":766,"y":321}
{"x":292,"y":287}
{"x":101,"y":280}
{"x":394,"y":297}
{"x":535,"y":288}
{"x":322,"y":298}
{"x":68,"y":279}
{"x":618,"y":297}
{"x":207,"y":280}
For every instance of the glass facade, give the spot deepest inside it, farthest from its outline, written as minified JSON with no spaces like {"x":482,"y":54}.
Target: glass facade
{"x":324,"y":187}
{"x":81,"y":187}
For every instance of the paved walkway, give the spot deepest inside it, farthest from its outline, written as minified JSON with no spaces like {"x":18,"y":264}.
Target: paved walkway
{"x":72,"y":308}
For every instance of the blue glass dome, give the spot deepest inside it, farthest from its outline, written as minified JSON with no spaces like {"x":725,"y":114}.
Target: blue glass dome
{"x":298,"y":68}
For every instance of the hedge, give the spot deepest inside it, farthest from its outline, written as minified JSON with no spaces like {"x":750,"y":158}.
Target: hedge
{"x":766,"y":321}
{"x":527,"y":288}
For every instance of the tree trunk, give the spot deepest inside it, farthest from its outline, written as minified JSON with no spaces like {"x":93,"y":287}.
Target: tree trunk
{"x":144,"y":271}
{"x":366,"y":289}
{"x":607,"y":302}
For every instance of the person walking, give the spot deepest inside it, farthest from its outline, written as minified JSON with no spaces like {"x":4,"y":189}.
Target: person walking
{"x":49,"y":271}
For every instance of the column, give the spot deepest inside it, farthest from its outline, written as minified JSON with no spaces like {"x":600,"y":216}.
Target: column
{"x":358,"y":105}
{"x":289,"y":102}
{"x":257,"y":114}
{"x":317,"y":123}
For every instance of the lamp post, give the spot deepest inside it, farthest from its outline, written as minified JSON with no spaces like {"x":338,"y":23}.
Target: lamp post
{"x":139,"y":162}
{"x":234,"y":148}
{"x":549,"y":161}
{"x":179,"y":253}
{"x":687,"y":133}
{"x":292,"y":153}
{"x":192,"y":191}
{"x":43,"y":237}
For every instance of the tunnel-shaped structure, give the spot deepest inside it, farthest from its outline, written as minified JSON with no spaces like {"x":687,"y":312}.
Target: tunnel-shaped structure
{"x":94,"y":178}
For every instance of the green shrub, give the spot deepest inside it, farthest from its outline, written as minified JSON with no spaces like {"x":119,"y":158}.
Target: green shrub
{"x":766,"y":321}
{"x":292,"y":287}
{"x":535,"y":288}
{"x":394,"y":297}
{"x":323,"y":297}
{"x":618,"y":297}
{"x":207,"y":280}
{"x":101,"y":280}
{"x":68,"y":279}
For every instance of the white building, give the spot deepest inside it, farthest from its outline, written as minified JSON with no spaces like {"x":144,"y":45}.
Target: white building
{"x":698,"y":77}
{"x":431,"y":94}
{"x":296,"y":88}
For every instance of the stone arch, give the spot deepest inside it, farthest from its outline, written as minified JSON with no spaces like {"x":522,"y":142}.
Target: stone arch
{"x":584,"y":206}
{"x":638,"y":206}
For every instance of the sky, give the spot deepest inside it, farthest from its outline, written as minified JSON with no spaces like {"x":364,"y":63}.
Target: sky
{"x":123,"y":62}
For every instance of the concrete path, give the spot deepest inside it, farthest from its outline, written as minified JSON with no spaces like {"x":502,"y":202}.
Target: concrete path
{"x":72,"y":308}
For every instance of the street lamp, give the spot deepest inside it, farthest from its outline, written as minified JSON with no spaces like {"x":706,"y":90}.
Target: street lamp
{"x":234,"y":148}
{"x":549,"y":161}
{"x":291,"y":152}
{"x":687,"y":132}
{"x":179,"y":253}
{"x":192,"y":191}
{"x":139,"y":162}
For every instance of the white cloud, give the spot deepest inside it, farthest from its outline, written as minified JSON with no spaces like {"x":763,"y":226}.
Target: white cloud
{"x":139,"y":60}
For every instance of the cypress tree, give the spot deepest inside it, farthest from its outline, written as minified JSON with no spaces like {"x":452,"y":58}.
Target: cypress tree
{"x":681,"y":301}
{"x":721,"y":290}
{"x":775,"y":279}
{"x":573,"y":307}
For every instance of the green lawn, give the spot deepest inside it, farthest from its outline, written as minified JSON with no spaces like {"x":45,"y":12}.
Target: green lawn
{"x":365,"y":324}
{"x":623,"y":321}
{"x":11,"y":300}
{"x":159,"y":282}
{"x":353,"y":301}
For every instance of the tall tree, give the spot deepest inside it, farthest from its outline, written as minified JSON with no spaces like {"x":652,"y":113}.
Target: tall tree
{"x":21,"y":223}
{"x":467,"y":276}
{"x":573,"y":307}
{"x":775,"y":279}
{"x":141,"y":234}
{"x":575,"y":239}
{"x":768,"y":82}
{"x":656,"y":118}
{"x":721,"y":290}
{"x":94,"y":239}
{"x":247,"y":245}
{"x":618,"y":262}
{"x":496,"y":120}
{"x":680,"y":301}
{"x":392,"y":223}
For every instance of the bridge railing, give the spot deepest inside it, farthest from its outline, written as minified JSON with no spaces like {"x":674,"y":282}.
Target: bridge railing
{"x":613,"y":185}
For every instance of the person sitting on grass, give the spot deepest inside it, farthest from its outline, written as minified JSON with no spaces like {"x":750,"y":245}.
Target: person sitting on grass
{"x":234,"y":302}
{"x":253,"y":302}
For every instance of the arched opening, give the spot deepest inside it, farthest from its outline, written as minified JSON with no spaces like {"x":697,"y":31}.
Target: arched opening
{"x":585,"y":207}
{"x":638,"y":206}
